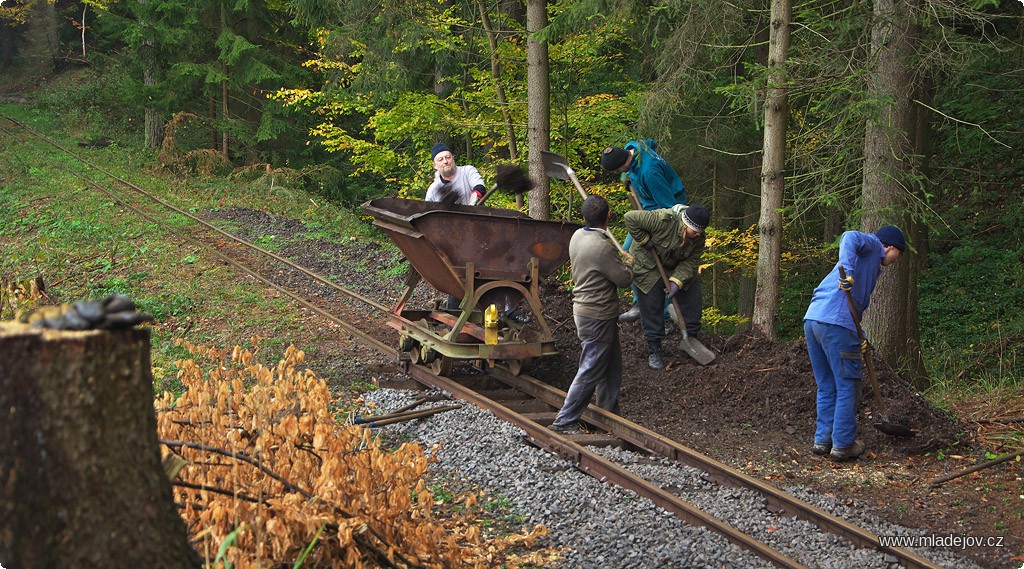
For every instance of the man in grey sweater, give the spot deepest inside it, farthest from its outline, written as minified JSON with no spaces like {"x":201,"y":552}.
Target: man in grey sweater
{"x":598,"y":272}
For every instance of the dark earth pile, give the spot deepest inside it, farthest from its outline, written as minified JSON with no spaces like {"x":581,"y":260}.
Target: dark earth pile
{"x":753,"y":385}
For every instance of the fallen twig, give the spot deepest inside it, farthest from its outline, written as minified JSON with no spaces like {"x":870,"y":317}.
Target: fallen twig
{"x":1000,"y":421}
{"x":390,"y":418}
{"x":976,"y":467}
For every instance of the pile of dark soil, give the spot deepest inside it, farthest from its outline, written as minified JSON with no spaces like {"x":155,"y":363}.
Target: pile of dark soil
{"x":753,"y":385}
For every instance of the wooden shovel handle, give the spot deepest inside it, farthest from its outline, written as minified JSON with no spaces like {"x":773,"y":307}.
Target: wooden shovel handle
{"x":868,"y":360}
{"x":583,"y":194}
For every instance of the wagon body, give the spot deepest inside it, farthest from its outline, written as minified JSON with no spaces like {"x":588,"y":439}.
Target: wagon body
{"x":441,"y":242}
{"x":483,"y":256}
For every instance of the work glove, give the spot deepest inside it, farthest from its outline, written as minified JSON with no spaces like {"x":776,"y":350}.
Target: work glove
{"x":865,"y":347}
{"x":678,"y":208}
{"x":474,"y":198}
{"x":673,"y":288}
{"x":627,"y":259}
{"x":847,"y":283}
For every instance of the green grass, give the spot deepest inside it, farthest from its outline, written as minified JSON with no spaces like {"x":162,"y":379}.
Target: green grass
{"x":86,"y":246}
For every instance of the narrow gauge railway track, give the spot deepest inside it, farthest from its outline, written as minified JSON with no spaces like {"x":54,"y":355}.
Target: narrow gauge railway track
{"x":527,"y":402}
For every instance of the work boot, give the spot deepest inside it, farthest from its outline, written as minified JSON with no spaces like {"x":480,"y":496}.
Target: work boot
{"x":848,"y":453}
{"x":821,"y":449}
{"x":572,"y":429}
{"x":631,"y":315}
{"x":654,"y":355}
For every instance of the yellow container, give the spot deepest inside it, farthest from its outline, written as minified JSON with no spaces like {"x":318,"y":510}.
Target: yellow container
{"x":491,"y":325}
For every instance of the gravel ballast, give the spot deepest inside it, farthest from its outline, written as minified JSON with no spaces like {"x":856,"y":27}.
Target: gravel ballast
{"x":598,"y":525}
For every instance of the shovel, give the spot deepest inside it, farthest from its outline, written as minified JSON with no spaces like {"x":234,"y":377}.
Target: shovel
{"x":557,"y":167}
{"x":884,"y":425}
{"x":509,"y":179}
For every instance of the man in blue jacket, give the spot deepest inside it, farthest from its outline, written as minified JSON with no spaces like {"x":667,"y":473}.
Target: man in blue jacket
{"x":657,"y":186}
{"x":832,"y":342}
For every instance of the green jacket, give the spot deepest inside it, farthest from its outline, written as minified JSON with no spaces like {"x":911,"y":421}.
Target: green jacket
{"x":664,"y":228}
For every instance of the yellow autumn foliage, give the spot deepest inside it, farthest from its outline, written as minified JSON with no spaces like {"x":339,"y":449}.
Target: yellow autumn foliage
{"x":268,"y":460}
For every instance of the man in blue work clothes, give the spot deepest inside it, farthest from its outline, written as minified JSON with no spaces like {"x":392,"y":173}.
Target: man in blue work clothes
{"x":657,"y":186}
{"x":832,"y":342}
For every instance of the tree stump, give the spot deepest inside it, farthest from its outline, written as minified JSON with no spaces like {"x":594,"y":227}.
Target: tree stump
{"x":81,"y":483}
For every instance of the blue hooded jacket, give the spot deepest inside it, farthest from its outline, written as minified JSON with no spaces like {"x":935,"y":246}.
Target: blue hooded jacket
{"x":657,"y":185}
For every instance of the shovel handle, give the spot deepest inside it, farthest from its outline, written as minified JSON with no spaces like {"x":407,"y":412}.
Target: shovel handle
{"x":868,"y":360}
{"x":487,"y":194}
{"x":554,"y":160}
{"x":575,"y":181}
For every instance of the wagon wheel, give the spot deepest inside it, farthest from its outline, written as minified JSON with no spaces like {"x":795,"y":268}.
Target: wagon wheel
{"x":416,"y":355}
{"x":407,"y":343}
{"x":519,"y":366}
{"x":428,"y":355}
{"x":442,"y":365}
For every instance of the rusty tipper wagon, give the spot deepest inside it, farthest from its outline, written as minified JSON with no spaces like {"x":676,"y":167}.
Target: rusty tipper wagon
{"x":492,"y":259}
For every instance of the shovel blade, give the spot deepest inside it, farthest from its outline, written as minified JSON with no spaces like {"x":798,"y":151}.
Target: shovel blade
{"x":555,"y":166}
{"x":696,"y":350}
{"x":895,"y":429}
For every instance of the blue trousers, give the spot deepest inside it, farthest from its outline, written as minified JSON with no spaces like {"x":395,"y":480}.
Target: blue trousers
{"x":600,"y":370}
{"x":835,"y":358}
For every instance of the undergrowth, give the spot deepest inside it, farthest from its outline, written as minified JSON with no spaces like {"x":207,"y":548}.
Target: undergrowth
{"x":268,"y":472}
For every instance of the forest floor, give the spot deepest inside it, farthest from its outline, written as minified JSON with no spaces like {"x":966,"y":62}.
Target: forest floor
{"x":752,"y":408}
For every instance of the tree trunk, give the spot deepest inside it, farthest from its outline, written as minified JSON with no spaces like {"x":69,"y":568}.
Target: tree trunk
{"x":913,"y":361}
{"x":224,"y":113}
{"x":538,"y":106}
{"x":492,"y":38}
{"x":79,"y":458}
{"x":84,"y":8}
{"x":888,"y":168}
{"x":213,"y":121}
{"x":766,"y":295}
{"x":154,"y":124}
{"x":224,"y":90}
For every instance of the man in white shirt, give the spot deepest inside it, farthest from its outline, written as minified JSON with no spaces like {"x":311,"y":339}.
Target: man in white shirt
{"x":453,"y":184}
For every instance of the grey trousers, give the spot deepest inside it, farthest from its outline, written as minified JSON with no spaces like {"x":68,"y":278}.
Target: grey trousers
{"x":600,"y":370}
{"x":652,"y":313}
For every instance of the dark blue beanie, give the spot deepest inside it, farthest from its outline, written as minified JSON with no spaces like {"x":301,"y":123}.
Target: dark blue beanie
{"x":437,"y":149}
{"x":891,"y":235}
